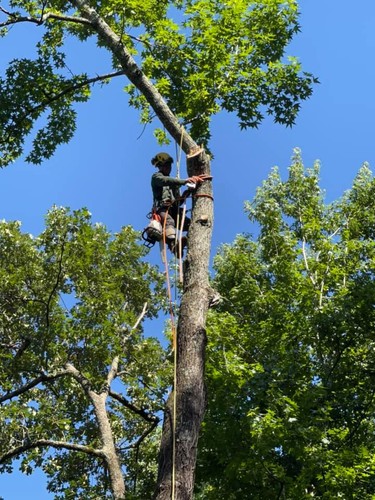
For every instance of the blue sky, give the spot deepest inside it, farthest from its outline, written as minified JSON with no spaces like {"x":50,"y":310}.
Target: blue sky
{"x":106,"y":167}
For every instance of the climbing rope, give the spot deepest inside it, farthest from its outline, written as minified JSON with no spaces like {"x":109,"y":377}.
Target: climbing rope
{"x":178,"y":243}
{"x":178,"y":153}
{"x":181,"y":277}
{"x":174,"y":346}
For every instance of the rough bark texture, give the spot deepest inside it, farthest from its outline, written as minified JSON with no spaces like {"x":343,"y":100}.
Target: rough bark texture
{"x":191,"y":343}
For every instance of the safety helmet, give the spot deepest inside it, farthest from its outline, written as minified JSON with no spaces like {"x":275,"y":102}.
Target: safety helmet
{"x":161,"y":159}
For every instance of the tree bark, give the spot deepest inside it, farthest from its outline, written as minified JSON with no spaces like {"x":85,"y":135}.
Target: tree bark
{"x":191,"y":343}
{"x":108,"y":450}
{"x":108,"y":447}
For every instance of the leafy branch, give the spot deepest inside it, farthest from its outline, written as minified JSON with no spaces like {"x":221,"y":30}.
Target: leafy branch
{"x":46,"y":443}
{"x":15,"y":18}
{"x":66,"y":91}
{"x":30,"y":385}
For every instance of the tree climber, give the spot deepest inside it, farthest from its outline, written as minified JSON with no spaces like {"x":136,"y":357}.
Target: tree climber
{"x":167,"y":199}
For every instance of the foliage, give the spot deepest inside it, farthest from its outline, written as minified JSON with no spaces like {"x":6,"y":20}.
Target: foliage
{"x":202,"y":56}
{"x":73,"y":297}
{"x":291,"y":360}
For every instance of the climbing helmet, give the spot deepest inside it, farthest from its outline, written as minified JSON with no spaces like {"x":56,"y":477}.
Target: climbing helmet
{"x":161,"y":159}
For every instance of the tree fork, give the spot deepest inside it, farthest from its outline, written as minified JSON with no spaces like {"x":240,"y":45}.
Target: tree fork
{"x":108,"y":450}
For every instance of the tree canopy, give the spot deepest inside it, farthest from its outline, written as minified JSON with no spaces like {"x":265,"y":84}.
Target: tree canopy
{"x":73,"y":301}
{"x":291,"y":352}
{"x":199,"y":56}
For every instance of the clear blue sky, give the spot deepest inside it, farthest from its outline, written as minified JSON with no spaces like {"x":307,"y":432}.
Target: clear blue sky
{"x":106,"y":167}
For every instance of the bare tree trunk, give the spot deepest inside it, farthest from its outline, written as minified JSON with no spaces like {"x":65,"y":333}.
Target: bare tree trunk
{"x":191,"y":343}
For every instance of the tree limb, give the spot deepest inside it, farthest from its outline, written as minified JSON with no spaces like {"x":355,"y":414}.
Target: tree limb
{"x":32,"y":384}
{"x":113,"y":371}
{"x":42,"y":443}
{"x":14,"y":18}
{"x":142,"y":437}
{"x":56,"y":282}
{"x":81,"y":379}
{"x":142,"y":413}
{"x":136,"y":76}
{"x":68,"y":90}
{"x":137,"y":445}
{"x":141,"y":316}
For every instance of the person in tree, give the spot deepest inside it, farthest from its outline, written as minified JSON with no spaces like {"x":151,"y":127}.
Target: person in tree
{"x":167,"y":198}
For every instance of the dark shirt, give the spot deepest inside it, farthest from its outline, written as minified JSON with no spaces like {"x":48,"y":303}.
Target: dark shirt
{"x":165,"y":189}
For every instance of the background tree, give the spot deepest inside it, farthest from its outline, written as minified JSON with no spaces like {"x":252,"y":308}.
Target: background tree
{"x":220,"y":56}
{"x":82,"y":388}
{"x":291,"y":352}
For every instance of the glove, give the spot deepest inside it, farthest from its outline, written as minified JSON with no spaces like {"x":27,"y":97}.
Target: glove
{"x":196,"y":179}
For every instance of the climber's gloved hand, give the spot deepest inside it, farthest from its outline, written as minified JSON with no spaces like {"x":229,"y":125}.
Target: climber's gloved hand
{"x":196,"y":179}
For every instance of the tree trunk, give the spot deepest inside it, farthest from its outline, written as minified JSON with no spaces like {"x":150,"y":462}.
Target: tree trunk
{"x":191,"y":333}
{"x":191,"y":343}
{"x":116,"y":476}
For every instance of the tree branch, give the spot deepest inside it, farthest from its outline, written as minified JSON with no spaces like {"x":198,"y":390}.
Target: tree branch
{"x":141,"y":316}
{"x":81,"y":379}
{"x":113,"y":371}
{"x":42,"y":443}
{"x":142,"y":413}
{"x":32,"y":384}
{"x":48,"y":305}
{"x":136,"y":76}
{"x":14,"y":18}
{"x":67,"y":91}
{"x":137,"y":445}
{"x":306,"y":262}
{"x":143,"y":436}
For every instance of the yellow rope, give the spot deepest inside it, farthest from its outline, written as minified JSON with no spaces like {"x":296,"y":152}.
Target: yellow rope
{"x":174,"y":421}
{"x":173,"y":326}
{"x":178,"y":153}
{"x":174,"y":345}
